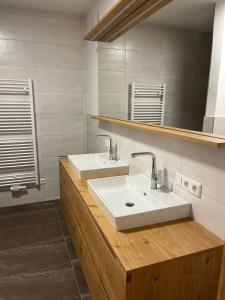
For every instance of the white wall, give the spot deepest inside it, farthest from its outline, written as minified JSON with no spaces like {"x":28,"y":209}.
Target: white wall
{"x":49,"y":49}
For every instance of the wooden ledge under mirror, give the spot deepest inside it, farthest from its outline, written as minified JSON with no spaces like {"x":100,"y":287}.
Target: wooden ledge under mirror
{"x":124,"y":15}
{"x":211,"y":140}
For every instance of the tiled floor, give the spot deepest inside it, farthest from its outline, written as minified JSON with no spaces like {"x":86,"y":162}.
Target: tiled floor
{"x":37,"y":257}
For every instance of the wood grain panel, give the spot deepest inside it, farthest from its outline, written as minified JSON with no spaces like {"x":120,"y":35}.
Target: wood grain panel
{"x":123,"y":16}
{"x":195,"y":277}
{"x":113,"y":276}
{"x":187,"y":135}
{"x":136,"y":17}
{"x":91,"y":275}
{"x":221,"y":295}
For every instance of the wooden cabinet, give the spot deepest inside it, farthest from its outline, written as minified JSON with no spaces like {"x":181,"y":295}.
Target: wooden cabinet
{"x":155,"y":262}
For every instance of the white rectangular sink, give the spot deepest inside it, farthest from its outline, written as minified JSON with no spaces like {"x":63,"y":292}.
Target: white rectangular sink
{"x":97,"y":165}
{"x":129,"y":202}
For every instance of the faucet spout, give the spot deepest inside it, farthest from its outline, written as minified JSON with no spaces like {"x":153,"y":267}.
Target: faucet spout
{"x":113,"y":155}
{"x":154,"y":176}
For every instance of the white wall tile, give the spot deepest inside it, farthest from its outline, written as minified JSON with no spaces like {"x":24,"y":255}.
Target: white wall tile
{"x":111,"y":60}
{"x":58,"y":31}
{"x":206,"y":165}
{"x":51,"y":191}
{"x":57,"y":124}
{"x":148,"y":39}
{"x":143,"y":62}
{"x":59,"y":56}
{"x":60,"y":102}
{"x":17,"y":72}
{"x":208,"y":212}
{"x":107,"y":78}
{"x":18,"y":27}
{"x":17,"y":53}
{"x":62,"y":145}
{"x":60,"y":80}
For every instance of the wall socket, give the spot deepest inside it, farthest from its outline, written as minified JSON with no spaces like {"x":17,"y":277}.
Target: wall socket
{"x":107,"y":143}
{"x":189,"y":185}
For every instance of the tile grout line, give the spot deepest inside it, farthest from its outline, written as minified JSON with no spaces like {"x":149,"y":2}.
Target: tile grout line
{"x":64,"y":239}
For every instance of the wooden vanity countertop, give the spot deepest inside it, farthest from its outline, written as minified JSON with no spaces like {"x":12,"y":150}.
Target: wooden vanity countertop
{"x":142,"y":247}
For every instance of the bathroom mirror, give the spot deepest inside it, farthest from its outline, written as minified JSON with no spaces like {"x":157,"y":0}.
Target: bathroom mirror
{"x":158,"y":72}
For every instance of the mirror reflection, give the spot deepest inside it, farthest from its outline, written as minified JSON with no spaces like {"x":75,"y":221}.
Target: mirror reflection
{"x":158,"y":72}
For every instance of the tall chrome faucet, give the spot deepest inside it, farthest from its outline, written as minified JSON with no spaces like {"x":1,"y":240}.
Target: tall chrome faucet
{"x":154,"y":176}
{"x":113,"y":151}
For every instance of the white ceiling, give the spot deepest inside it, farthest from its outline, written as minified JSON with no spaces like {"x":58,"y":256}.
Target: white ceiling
{"x":71,"y":7}
{"x":189,"y":14}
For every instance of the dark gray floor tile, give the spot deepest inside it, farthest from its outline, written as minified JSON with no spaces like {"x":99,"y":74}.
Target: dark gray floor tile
{"x":57,"y":203}
{"x":86,"y":297}
{"x":28,"y":259}
{"x":52,"y":285}
{"x":29,"y":218}
{"x":82,"y":284}
{"x":60,"y":214}
{"x":71,"y":249}
{"x":65,"y":230}
{"x":26,"y":207}
{"x":24,"y":236}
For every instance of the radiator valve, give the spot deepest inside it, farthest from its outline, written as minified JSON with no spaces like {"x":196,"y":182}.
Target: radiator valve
{"x":17,"y":188}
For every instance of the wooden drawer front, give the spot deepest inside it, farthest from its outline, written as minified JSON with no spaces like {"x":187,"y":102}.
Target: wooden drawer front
{"x":106,"y":264}
{"x":91,"y":275}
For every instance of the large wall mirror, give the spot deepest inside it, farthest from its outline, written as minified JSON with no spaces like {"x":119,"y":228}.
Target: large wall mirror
{"x":158,"y":72}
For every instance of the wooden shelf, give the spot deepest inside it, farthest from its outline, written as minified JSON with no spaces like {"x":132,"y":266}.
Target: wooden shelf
{"x":123,"y":16}
{"x":211,"y":140}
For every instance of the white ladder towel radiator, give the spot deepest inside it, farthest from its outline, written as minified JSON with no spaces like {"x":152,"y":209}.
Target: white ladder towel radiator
{"x":18,"y":145}
{"x":146,"y":103}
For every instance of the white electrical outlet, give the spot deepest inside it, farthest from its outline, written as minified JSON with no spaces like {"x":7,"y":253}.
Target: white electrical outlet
{"x":107,"y":143}
{"x":191,"y":186}
{"x":178,"y":179}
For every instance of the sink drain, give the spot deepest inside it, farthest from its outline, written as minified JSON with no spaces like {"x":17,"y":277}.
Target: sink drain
{"x":129,"y":204}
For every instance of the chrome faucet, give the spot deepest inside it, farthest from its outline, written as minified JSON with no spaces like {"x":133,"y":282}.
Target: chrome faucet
{"x":154,"y":176}
{"x":113,"y":151}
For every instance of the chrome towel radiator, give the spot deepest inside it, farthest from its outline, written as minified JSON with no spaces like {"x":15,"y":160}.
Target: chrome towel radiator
{"x":18,"y":145}
{"x":146,"y":103}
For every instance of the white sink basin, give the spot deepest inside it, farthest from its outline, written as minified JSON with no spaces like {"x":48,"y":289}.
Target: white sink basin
{"x":98,"y":165}
{"x":129,"y":202}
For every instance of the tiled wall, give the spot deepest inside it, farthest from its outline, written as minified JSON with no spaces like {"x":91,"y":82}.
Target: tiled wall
{"x":48,"y":49}
{"x":148,"y":54}
{"x":201,"y":163}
